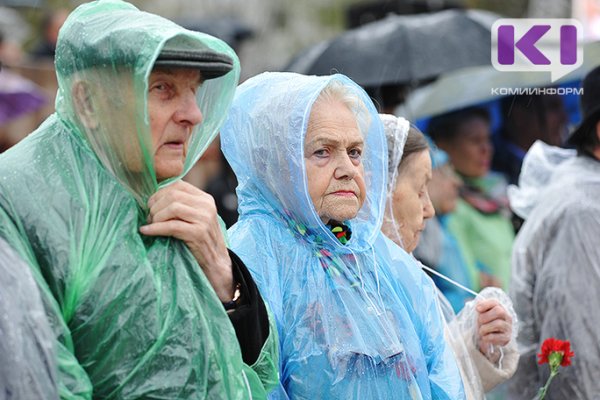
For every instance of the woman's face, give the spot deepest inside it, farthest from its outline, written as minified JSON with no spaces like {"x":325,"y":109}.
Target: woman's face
{"x":411,"y":203}
{"x":443,"y":189}
{"x":470,"y":150}
{"x":332,"y":154}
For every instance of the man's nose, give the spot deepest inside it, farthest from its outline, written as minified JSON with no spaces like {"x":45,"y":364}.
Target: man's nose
{"x":189,"y":112}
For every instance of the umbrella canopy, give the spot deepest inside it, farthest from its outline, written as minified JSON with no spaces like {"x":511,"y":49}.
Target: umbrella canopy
{"x":402,"y":49}
{"x":229,"y":29}
{"x":475,"y":85}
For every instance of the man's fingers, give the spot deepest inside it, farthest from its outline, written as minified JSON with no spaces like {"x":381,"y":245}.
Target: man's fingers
{"x":179,"y":186}
{"x":173,"y":202}
{"x":174,"y":228}
{"x":182,"y":212}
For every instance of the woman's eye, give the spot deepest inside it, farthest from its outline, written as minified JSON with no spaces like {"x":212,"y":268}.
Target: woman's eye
{"x":320,"y":153}
{"x":355,"y":153}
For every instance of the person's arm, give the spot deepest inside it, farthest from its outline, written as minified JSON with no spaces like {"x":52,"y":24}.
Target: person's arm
{"x":185,"y":212}
{"x":189,"y":214}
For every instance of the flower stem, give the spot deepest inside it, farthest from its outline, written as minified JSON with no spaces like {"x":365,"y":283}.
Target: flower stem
{"x":543,"y":390}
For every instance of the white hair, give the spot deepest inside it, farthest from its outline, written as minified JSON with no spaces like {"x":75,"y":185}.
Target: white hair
{"x":336,"y":90}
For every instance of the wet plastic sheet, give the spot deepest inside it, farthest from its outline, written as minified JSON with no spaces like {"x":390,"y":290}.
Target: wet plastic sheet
{"x":356,"y":321}
{"x":28,"y":362}
{"x":556,"y":270}
{"x":134,"y":316}
{"x":460,"y":331}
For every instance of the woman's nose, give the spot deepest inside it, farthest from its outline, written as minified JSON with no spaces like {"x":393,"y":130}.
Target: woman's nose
{"x":345,"y":168}
{"x":428,"y":210}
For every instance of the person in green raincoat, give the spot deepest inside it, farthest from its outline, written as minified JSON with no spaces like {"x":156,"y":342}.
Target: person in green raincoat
{"x":143,"y":296}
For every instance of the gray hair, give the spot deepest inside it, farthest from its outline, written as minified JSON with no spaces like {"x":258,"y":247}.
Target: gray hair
{"x":336,"y":90}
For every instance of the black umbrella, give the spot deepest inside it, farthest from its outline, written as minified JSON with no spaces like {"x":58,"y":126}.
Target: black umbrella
{"x":403,"y":48}
{"x":228,"y":29}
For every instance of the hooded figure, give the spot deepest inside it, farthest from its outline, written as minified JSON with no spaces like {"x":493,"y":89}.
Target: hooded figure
{"x":483,"y":335}
{"x":356,"y":317}
{"x":556,"y":269}
{"x":134,"y":315}
{"x":556,"y":257}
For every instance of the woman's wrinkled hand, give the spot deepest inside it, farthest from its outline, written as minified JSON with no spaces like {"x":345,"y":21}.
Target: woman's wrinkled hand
{"x":187,"y":213}
{"x":494,"y":327}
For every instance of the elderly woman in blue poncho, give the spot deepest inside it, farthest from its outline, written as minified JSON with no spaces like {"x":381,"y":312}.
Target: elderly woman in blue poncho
{"x":356,"y":317}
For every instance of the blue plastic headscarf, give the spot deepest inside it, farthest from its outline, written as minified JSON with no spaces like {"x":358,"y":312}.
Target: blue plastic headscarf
{"x":356,"y":321}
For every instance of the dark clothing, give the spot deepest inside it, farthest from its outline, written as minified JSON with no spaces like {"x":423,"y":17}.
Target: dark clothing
{"x":508,"y":159}
{"x":250,"y":319}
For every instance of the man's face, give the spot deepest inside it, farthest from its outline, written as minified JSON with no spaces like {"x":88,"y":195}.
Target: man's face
{"x":332,"y":154}
{"x":173,"y":114}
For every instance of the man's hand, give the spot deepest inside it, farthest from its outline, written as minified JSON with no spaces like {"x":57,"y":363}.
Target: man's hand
{"x":494,"y":326}
{"x":187,"y":213}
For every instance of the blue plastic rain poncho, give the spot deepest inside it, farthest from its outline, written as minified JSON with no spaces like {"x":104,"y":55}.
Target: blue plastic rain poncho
{"x":556,"y":270}
{"x":356,"y":321}
{"x":134,"y":316}
{"x":479,"y":374}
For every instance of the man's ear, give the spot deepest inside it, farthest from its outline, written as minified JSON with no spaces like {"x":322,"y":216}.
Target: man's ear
{"x":84,"y":105}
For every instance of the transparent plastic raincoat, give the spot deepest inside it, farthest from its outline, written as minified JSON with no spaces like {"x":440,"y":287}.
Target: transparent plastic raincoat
{"x":355,"y":321}
{"x":28,"y":362}
{"x":461,"y":331}
{"x":134,"y":316}
{"x":556,"y":270}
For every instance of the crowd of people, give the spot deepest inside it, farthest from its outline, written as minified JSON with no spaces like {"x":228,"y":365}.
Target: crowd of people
{"x":364,"y":259}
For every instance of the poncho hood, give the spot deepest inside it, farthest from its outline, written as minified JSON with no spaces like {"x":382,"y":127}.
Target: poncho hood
{"x":110,"y":47}
{"x":539,"y":165}
{"x":268,"y":159}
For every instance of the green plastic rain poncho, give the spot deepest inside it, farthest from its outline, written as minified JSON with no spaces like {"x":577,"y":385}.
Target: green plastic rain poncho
{"x":356,"y":319}
{"x":556,"y":270}
{"x":134,"y":316}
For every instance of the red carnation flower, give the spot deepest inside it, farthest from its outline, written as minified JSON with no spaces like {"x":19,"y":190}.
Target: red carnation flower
{"x":552,"y":345}
{"x":556,"y":353}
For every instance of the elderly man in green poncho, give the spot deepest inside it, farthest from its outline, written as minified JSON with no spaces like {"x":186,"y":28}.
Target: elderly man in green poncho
{"x":144,"y":298}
